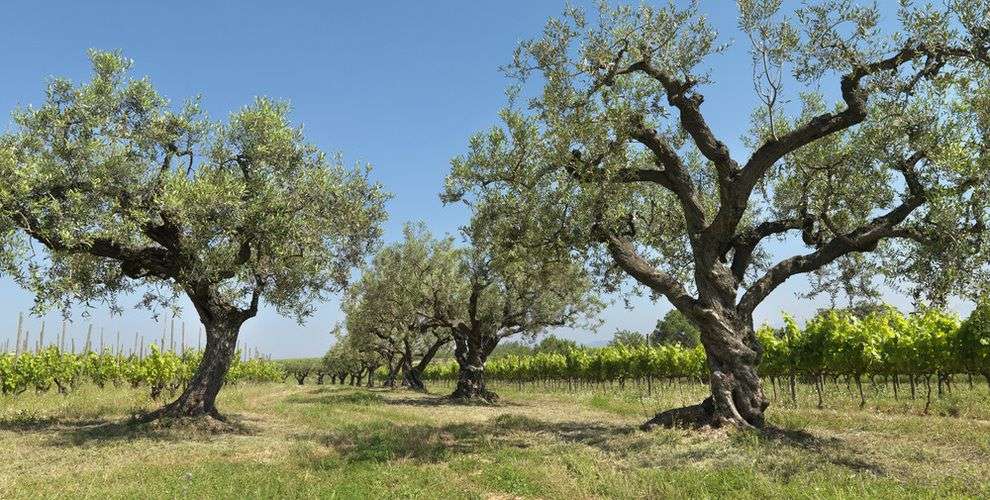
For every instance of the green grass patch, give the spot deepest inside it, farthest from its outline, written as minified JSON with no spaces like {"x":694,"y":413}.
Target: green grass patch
{"x":344,"y":442}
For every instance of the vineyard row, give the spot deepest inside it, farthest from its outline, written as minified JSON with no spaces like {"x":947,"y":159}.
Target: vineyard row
{"x":159,"y":370}
{"x":895,"y":347}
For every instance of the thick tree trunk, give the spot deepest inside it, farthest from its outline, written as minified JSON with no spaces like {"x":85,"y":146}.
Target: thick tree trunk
{"x":413,"y":374}
{"x":371,"y":375}
{"x":413,"y":379}
{"x":199,"y":397}
{"x":393,"y":373}
{"x":471,"y":350}
{"x":737,"y":396}
{"x":409,"y":379}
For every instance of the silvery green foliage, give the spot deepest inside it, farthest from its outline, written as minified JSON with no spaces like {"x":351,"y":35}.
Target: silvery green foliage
{"x":423,"y":287}
{"x":516,"y":287}
{"x":605,"y":145}
{"x":108,"y":188}
{"x":388,"y":308}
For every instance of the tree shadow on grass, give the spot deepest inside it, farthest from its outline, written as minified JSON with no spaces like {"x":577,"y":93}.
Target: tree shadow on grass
{"x":388,"y":441}
{"x":830,"y":449}
{"x":28,"y":422}
{"x":430,"y":400}
{"x":361,"y":398}
{"x":384,"y":441}
{"x":327,"y":388}
{"x":366,"y":397}
{"x":78,"y":431}
{"x":164,"y":430}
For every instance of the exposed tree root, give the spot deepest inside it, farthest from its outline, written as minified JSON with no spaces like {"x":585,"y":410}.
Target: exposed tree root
{"x":478,"y":396}
{"x":178,"y":410}
{"x":696,"y":416}
{"x":171,"y":417}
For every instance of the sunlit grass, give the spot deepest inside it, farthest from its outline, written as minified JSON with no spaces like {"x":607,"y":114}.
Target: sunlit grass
{"x":329,"y":441}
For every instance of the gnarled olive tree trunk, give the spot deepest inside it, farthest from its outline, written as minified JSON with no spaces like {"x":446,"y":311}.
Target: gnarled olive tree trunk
{"x":412,"y":374}
{"x":471,"y":350}
{"x":371,"y":368}
{"x":411,"y":377}
{"x":736,"y":392}
{"x":393,"y":373}
{"x":199,"y":397}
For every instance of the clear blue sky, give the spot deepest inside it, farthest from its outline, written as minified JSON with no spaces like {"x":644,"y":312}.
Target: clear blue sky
{"x":401,"y":85}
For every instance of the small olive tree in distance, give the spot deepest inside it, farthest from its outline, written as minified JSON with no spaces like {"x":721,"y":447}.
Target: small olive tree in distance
{"x":108,"y":189}
{"x":386,"y":308}
{"x":613,"y":158}
{"x":508,"y":291}
{"x":422,"y":292}
{"x":675,"y":328}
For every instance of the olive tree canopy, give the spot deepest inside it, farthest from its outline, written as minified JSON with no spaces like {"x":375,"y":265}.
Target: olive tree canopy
{"x":108,"y":189}
{"x":868,"y":148}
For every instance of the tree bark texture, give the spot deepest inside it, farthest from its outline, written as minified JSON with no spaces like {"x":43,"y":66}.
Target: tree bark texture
{"x":737,"y":396}
{"x":471,"y":350}
{"x":199,"y":397}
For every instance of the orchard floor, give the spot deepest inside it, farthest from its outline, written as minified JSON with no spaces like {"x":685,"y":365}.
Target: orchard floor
{"x":340,"y":442}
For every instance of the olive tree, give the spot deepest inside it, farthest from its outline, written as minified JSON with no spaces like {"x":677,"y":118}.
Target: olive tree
{"x":628,"y":338}
{"x":675,"y":328}
{"x":347,"y":358}
{"x":354,"y":355}
{"x":386,"y":308}
{"x":507,"y":291}
{"x":867,"y":147}
{"x":108,"y":189}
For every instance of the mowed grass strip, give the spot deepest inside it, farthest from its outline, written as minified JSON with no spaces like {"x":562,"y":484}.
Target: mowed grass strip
{"x":342,"y":442}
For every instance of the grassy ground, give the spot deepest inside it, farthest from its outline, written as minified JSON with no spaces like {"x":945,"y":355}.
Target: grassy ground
{"x":337,"y":442}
